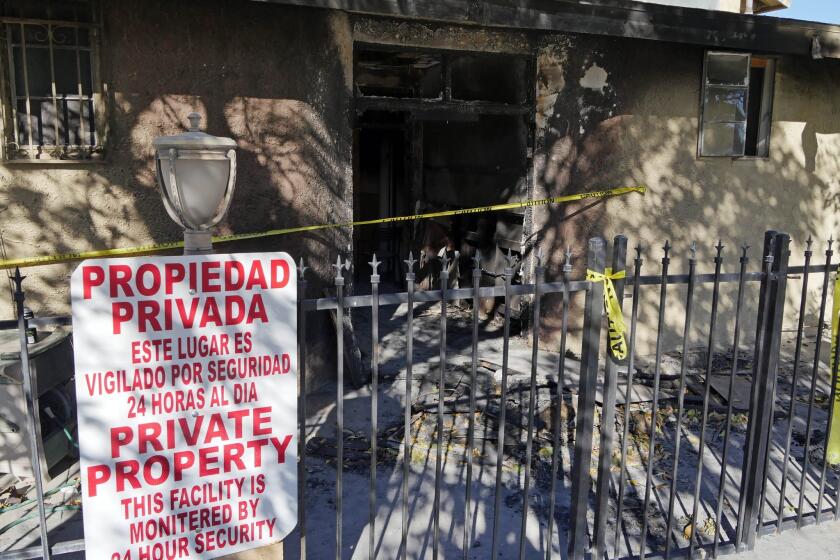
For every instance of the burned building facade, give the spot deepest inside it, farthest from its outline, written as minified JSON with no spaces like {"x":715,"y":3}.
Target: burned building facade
{"x":354,"y":110}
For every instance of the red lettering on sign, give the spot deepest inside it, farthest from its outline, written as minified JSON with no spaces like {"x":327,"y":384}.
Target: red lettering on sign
{"x":92,"y":276}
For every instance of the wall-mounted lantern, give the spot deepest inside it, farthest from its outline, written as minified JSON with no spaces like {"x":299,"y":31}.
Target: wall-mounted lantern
{"x":196,"y":173}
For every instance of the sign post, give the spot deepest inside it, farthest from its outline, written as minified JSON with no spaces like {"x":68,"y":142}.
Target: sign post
{"x":186,"y":387}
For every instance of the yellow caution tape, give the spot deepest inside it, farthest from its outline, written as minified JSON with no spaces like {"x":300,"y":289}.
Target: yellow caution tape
{"x":612,"y":307}
{"x":833,"y":448}
{"x":146,"y":249}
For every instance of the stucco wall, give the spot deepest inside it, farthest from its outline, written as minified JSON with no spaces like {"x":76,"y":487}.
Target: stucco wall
{"x":274,"y":78}
{"x":619,"y":112}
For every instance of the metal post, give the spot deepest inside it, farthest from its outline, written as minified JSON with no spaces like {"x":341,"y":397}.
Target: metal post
{"x":539,"y":277}
{"x":33,"y":425}
{"x":444,"y":280}
{"x":689,"y":300}
{"x":724,"y":462}
{"x":558,"y":426}
{"x":409,"y":341}
{"x":806,"y":458}
{"x":761,"y":327}
{"x":761,"y":419}
{"x":471,"y":429}
{"x":654,"y":410}
{"x":339,"y":411}
{"x":581,"y":477}
{"x":301,"y":294}
{"x":829,"y":422}
{"x":500,"y":446}
{"x":602,"y":486}
{"x":374,"y":401}
{"x":797,"y":356}
{"x":694,"y":538}
{"x":634,"y":315}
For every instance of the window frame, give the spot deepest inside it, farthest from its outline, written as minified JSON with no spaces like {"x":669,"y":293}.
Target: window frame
{"x":27,"y":149}
{"x":765,"y":109}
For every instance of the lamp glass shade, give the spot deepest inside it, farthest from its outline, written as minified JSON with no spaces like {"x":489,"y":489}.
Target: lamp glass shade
{"x":197,"y":174}
{"x":202,"y":184}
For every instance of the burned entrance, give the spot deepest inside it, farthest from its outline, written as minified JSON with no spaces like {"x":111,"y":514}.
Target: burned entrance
{"x":440,"y":130}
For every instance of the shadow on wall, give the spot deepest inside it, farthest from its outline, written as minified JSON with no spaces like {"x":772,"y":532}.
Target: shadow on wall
{"x":612,"y":114}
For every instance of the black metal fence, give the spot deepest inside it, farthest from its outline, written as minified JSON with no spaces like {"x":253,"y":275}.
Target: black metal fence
{"x":648,"y":452}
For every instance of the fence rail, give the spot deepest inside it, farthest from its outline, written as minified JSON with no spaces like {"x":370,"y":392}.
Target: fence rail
{"x":686,"y":463}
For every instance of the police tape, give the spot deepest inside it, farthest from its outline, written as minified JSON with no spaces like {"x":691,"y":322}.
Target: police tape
{"x":147,"y":249}
{"x":617,"y":328}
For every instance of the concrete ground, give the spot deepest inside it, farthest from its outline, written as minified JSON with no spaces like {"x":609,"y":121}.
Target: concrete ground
{"x":821,"y":542}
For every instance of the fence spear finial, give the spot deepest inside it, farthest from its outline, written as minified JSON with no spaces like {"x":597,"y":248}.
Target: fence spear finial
{"x":719,"y":247}
{"x":808,"y":243}
{"x":693,"y":250}
{"x":374,"y":264}
{"x":301,"y":269}
{"x":667,"y":247}
{"x":18,"y":278}
{"x":410,"y":262}
{"x":567,"y":266}
{"x":338,"y":266}
{"x":744,"y":248}
{"x":830,"y":242}
{"x":477,"y":260}
{"x":509,"y":258}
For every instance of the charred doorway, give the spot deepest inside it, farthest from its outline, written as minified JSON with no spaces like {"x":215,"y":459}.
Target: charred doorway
{"x":440,"y":130}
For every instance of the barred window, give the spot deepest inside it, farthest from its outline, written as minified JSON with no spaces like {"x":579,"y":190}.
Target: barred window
{"x":52,"y":86}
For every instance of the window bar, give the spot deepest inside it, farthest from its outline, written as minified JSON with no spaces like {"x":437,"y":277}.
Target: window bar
{"x":657,"y":371}
{"x":26,"y":89}
{"x":471,"y":419}
{"x":831,"y":399}
{"x":500,"y":446}
{"x":812,"y":398}
{"x":558,"y":425}
{"x":800,"y":327}
{"x":728,"y":427}
{"x":444,"y":280}
{"x":339,"y":467}
{"x":82,"y":103}
{"x":52,"y":83}
{"x":374,"y":400}
{"x":694,"y":537}
{"x":539,"y":277}
{"x":409,"y":341}
{"x":12,"y":86}
{"x":301,"y":288}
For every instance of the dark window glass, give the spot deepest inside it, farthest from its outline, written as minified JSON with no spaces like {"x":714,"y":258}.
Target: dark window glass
{"x":754,"y":116}
{"x":399,"y":74}
{"x":498,"y":78}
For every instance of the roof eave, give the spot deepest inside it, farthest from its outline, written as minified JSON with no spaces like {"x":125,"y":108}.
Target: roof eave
{"x":612,"y":18}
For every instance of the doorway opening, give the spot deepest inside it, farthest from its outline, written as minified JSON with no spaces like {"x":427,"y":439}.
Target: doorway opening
{"x":440,"y":130}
